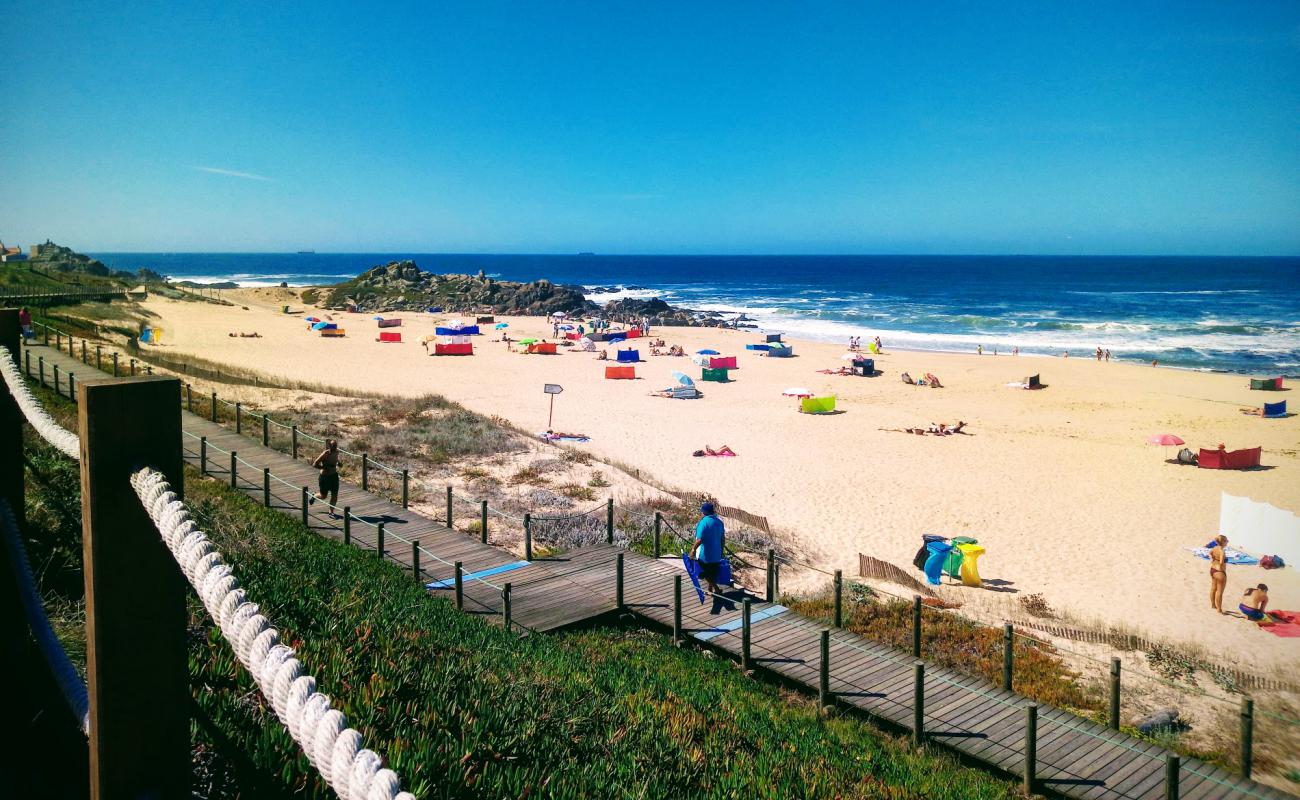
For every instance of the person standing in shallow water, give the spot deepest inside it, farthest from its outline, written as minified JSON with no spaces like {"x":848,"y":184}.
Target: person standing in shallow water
{"x":328,"y":482}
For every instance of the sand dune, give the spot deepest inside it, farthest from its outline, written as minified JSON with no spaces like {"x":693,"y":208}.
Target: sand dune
{"x":1058,"y":485}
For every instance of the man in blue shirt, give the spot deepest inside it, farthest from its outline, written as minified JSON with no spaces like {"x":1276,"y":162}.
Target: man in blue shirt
{"x":707,"y":552}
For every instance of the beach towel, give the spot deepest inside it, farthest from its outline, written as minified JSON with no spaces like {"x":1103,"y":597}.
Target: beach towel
{"x":686,"y":393}
{"x":1230,"y":555}
{"x":1275,"y":410}
{"x":390,"y":337}
{"x":1284,"y":623}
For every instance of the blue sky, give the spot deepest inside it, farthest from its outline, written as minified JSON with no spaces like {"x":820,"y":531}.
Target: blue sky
{"x":634,"y":127}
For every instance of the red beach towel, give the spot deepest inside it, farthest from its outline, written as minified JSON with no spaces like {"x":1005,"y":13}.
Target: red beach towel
{"x":1287,"y":624}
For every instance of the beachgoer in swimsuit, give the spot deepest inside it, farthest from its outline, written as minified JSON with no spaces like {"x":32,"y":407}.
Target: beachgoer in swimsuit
{"x":328,"y":483}
{"x":1218,"y":572}
{"x":1254,"y":607}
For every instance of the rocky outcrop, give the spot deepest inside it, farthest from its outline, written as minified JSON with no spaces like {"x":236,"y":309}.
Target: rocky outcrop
{"x":51,"y":256}
{"x":403,"y":286}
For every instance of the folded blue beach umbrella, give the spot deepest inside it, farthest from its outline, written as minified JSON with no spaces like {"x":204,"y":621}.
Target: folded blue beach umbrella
{"x":707,"y":353}
{"x":319,"y":326}
{"x":376,"y":317}
{"x":683,"y":379}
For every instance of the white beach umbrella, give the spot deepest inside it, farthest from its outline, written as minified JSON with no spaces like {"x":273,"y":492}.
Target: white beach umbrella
{"x":798,"y":391}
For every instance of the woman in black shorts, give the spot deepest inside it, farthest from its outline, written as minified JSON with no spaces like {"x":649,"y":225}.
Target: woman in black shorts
{"x":328,"y":464}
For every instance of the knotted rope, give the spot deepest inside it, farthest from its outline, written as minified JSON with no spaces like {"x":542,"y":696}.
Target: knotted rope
{"x":62,"y":439}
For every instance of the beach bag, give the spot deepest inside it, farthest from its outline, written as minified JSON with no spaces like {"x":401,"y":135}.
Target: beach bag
{"x":724,"y":572}
{"x":1272,"y":562}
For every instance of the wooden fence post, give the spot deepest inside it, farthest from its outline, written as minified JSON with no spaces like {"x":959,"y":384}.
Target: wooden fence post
{"x":1008,"y":655}
{"x":505,"y":606}
{"x":72,"y":386}
{"x":449,"y":517}
{"x":618,"y":583}
{"x":609,"y":521}
{"x":214,"y":406}
{"x":203,"y":455}
{"x":1031,"y":748}
{"x":266,"y":431}
{"x":1173,"y":765}
{"x":482,"y":521}
{"x":99,"y":357}
{"x":304,"y":506}
{"x":1114,"y":693}
{"x":294,"y":445}
{"x":1247,"y":735}
{"x":918,"y":703}
{"x":379,"y":546}
{"x":771,"y":575}
{"x":839,"y":598}
{"x":57,"y":390}
{"x":239,"y":418}
{"x":824,"y":682}
{"x":234,"y":469}
{"x":406,"y":487}
{"x":40,"y":368}
{"x":347,"y":524}
{"x":365,"y":472}
{"x":189,"y":398}
{"x":266,"y":486}
{"x":133,"y":368}
{"x":528,"y":536}
{"x":659,"y":521}
{"x":916,"y":626}
{"x":136,"y":661}
{"x":114,"y":364}
{"x":745,"y":611}
{"x":460,"y":586}
{"x":415,"y":560}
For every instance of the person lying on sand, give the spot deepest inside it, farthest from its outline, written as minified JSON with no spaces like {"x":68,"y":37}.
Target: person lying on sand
{"x":562,"y":435}
{"x":932,"y":381}
{"x":709,"y":451}
{"x":253,"y":335}
{"x":1253,"y":412}
{"x":1255,"y":603}
{"x":840,"y":371}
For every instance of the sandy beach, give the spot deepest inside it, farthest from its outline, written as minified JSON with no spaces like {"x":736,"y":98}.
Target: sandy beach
{"x":1058,"y":485}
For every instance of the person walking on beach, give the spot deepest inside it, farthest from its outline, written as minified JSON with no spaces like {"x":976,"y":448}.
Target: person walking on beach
{"x":1218,"y":571}
{"x":1108,"y":356}
{"x":707,"y":552}
{"x":25,"y":322}
{"x":979,"y":349}
{"x":328,"y":482}
{"x":1099,"y":354}
{"x":880,"y":348}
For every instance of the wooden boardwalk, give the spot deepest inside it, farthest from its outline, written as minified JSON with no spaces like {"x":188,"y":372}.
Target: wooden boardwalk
{"x":1075,"y":758}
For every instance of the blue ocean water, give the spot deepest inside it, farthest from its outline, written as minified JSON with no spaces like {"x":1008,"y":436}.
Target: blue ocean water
{"x":1234,"y":314}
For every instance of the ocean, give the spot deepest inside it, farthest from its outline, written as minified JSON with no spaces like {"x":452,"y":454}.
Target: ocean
{"x":1210,"y":313}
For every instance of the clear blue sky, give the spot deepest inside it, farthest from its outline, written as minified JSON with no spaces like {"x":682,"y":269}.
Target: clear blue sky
{"x":640,"y":127}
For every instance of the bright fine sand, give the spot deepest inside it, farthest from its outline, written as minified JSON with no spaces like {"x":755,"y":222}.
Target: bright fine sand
{"x":1058,"y":485}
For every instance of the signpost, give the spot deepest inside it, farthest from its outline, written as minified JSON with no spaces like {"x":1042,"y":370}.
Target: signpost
{"x":552,"y":389}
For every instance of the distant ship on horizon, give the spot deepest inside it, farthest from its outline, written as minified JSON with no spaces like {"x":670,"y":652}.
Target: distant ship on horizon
{"x":306,"y":252}
{"x":586,"y":253}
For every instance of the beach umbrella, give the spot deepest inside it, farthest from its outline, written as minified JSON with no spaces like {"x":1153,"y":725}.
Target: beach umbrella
{"x":850,"y":356}
{"x":501,"y":325}
{"x":527,"y":341}
{"x":1165,"y":440}
{"x":683,"y":379}
{"x":797,"y":391}
{"x":566,"y":327}
{"x":311,"y":319}
{"x":376,"y":317}
{"x":319,"y":326}
{"x":559,"y":314}
{"x":707,"y":353}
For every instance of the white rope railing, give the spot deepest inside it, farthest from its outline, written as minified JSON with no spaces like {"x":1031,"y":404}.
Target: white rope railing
{"x":65,"y":674}
{"x":61,"y":438}
{"x":335,"y":750}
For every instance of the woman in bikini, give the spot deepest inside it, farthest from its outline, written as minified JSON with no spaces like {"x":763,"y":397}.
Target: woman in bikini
{"x":1218,"y":572}
{"x":1254,"y":607}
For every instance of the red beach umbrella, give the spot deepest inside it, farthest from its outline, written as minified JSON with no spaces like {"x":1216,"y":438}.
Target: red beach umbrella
{"x":1165,"y":440}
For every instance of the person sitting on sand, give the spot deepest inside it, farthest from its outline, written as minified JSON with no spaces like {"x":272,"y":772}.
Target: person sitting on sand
{"x":603,"y":356}
{"x":932,"y":381}
{"x":1257,"y":600}
{"x":654,"y":351}
{"x":958,"y":427}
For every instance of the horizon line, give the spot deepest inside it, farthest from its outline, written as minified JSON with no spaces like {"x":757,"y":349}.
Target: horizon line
{"x":585,"y":254}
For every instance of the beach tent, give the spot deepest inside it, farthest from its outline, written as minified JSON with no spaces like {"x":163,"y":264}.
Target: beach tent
{"x":620,"y":373}
{"x":716,"y":375}
{"x":817,"y":405}
{"x":727,"y":362}
{"x":390,"y":337}
{"x":773,"y":337}
{"x":453,"y":349}
{"x":1266,"y":384}
{"x":866,"y":365}
{"x":1033,"y":382}
{"x":1260,"y":527}
{"x":390,"y":323}
{"x":542,"y":348}
{"x":780,"y":352}
{"x":629,"y":356}
{"x":634,"y":333}
{"x":1229,"y":459}
{"x":1275,"y":410}
{"x":485,"y":320}
{"x":333,"y":333}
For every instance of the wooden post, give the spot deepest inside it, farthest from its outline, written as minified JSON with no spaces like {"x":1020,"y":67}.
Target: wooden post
{"x":203,"y":455}
{"x":406,"y":486}
{"x":12,"y":487}
{"x":415,"y":560}
{"x":460,"y":586}
{"x":266,"y":431}
{"x":27,"y":359}
{"x":239,"y":418}
{"x":839,"y":598}
{"x":618,"y":582}
{"x":380,"y":544}
{"x":505,"y":606}
{"x":47,"y":333}
{"x":58,"y":341}
{"x":918,"y":703}
{"x":659,"y":521}
{"x":83,"y":352}
{"x":449,"y":507}
{"x":136,"y":661}
{"x":528,"y":536}
{"x":745,"y":611}
{"x":304,"y":506}
{"x":365,"y":472}
{"x":1173,"y":764}
{"x":824,"y":685}
{"x":57,"y":390}
{"x":347,"y":524}
{"x":72,"y":386}
{"x":771,"y":575}
{"x":40,"y":366}
{"x":1031,"y":747}
{"x":114,"y":364}
{"x":609,"y":521}
{"x":133,"y":368}
{"x":1114,"y":693}
{"x":482,"y":521}
{"x":234,"y":469}
{"x":916,"y":626}
{"x":99,"y":357}
{"x":266,"y":486}
{"x":148,"y":369}
{"x":1008,"y":655}
{"x":189,"y":398}
{"x":1247,"y":735}
{"x":294,"y":445}
{"x":677,"y":610}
